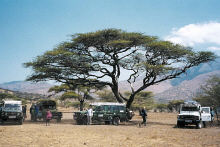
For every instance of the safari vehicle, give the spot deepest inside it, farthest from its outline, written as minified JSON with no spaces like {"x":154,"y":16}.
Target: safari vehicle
{"x":191,"y":113}
{"x":218,"y":114}
{"x":109,"y":113}
{"x":39,"y":109}
{"x":11,"y":111}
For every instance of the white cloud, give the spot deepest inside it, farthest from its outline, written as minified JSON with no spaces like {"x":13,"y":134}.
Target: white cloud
{"x":194,"y":34}
{"x":214,"y":48}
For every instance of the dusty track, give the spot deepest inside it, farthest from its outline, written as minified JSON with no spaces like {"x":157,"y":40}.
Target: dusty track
{"x":160,"y":131}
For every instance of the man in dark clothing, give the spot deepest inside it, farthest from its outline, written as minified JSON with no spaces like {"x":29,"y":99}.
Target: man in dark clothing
{"x":144,"y":115}
{"x":24,"y":109}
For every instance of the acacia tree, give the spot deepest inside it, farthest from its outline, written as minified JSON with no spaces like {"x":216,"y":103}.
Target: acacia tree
{"x":98,"y":58}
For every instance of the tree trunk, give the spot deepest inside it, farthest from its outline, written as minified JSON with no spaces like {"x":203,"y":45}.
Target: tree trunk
{"x":115,"y":90}
{"x":130,"y":100}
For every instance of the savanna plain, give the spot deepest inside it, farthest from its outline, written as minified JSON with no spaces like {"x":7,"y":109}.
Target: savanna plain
{"x":160,"y":131}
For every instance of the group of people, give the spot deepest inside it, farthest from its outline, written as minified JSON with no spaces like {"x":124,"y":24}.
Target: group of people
{"x":34,"y":111}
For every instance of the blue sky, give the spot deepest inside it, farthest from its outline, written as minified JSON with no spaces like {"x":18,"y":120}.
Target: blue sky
{"x":28,"y":28}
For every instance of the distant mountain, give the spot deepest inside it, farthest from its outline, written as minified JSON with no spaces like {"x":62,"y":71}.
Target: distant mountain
{"x":187,"y":89}
{"x":29,"y":87}
{"x":196,"y":71}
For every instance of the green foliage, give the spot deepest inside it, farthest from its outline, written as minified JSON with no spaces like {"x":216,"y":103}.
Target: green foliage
{"x":161,"y":107}
{"x":143,"y":99}
{"x":75,"y":104}
{"x":6,"y":95}
{"x":174,"y":105}
{"x":58,"y":89}
{"x":69,"y":95}
{"x":23,"y":101}
{"x":72,"y":91}
{"x":106,"y":96}
{"x":210,"y":95}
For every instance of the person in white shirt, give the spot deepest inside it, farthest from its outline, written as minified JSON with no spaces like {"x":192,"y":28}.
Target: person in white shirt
{"x":89,"y":115}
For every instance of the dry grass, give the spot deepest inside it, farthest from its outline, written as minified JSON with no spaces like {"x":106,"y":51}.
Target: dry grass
{"x":160,"y":131}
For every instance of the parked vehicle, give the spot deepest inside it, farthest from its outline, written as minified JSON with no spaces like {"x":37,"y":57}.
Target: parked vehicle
{"x":218,"y":114}
{"x":109,"y":113}
{"x":11,"y":111}
{"x":191,"y":113}
{"x":39,"y":109}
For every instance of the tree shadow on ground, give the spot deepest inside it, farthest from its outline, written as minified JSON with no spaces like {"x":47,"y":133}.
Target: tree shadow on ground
{"x":63,"y":121}
{"x":139,"y":123}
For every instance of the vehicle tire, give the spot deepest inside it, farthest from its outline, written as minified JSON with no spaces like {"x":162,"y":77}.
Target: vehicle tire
{"x":58,"y":119}
{"x":199,"y":125}
{"x":20,"y":122}
{"x":204,"y":124}
{"x":107,"y":122}
{"x":180,"y":124}
{"x":116,"y":121}
{"x":84,"y":121}
{"x":32,"y":118}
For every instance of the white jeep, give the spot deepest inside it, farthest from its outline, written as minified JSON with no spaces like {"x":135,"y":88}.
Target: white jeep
{"x":191,"y":113}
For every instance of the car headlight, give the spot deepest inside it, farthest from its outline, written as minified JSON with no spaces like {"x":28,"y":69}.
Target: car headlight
{"x":181,"y":117}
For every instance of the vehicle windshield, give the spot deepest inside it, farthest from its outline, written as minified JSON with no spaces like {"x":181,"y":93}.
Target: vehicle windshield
{"x":14,"y":107}
{"x":49,"y":107}
{"x":190,"y":109}
{"x":205,"y":110}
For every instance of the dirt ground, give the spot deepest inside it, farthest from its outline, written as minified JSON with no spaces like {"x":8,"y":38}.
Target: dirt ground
{"x":160,"y":131}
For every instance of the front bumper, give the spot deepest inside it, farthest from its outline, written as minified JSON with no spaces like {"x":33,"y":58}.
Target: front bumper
{"x":188,"y":121}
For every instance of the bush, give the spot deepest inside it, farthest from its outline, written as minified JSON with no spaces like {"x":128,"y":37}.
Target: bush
{"x":161,"y":107}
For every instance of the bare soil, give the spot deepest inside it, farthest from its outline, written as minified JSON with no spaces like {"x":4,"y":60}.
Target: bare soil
{"x":160,"y":131}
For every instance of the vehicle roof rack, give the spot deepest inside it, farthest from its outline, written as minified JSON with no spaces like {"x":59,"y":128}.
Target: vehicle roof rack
{"x":106,"y":103}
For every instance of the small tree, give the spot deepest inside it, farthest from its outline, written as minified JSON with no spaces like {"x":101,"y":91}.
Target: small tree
{"x":98,"y":58}
{"x":210,"y":95}
{"x":161,"y":107}
{"x":78,"y":92}
{"x":106,"y":95}
{"x":174,"y":105}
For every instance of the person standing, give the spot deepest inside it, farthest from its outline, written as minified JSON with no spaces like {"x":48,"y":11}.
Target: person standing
{"x":24,"y":110}
{"x":89,"y":115}
{"x":48,"y":117}
{"x":36,"y":111}
{"x":144,"y":115}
